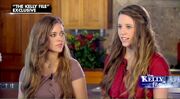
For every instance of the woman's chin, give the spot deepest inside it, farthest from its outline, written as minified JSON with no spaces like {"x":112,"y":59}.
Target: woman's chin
{"x":56,"y":51}
{"x":125,"y":44}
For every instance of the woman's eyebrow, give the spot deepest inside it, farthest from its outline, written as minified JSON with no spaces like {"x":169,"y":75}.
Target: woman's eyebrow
{"x":62,"y":31}
{"x":53,"y":32}
{"x":129,"y":24}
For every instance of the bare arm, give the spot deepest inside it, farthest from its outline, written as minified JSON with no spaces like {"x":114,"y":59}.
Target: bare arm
{"x":160,"y":93}
{"x":80,"y":89}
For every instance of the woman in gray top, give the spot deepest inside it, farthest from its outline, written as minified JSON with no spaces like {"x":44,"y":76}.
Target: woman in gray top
{"x":50,"y":71}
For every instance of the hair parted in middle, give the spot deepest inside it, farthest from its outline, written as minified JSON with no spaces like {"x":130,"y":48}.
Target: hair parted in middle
{"x":36,"y":56}
{"x":143,"y":45}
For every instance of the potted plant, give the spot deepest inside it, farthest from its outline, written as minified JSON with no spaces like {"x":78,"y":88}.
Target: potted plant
{"x":86,"y":48}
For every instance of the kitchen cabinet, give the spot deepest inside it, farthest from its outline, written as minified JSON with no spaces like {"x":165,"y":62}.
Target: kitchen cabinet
{"x":85,"y":14}
{"x":94,"y":77}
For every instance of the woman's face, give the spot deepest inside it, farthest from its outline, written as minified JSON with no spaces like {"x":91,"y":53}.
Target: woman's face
{"x":126,"y":29}
{"x":57,"y":38}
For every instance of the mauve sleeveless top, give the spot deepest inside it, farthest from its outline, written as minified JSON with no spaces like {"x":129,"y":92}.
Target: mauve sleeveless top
{"x":49,"y":87}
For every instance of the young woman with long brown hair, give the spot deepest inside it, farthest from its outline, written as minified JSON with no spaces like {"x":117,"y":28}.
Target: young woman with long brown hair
{"x":133,"y":53}
{"x":50,"y":71}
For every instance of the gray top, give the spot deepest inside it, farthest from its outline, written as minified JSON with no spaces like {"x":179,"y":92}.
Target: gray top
{"x":49,"y":88}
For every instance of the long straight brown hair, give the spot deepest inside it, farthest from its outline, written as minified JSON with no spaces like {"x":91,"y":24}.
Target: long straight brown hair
{"x":36,"y":55}
{"x":143,"y":45}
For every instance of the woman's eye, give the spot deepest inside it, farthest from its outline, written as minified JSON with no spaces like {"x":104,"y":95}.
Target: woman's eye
{"x":62,"y":33}
{"x":119,"y":26}
{"x":129,"y":27}
{"x":52,"y":35}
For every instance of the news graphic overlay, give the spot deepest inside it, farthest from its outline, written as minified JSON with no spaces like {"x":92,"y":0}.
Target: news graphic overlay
{"x":151,"y":81}
{"x":31,"y":8}
{"x":8,"y":85}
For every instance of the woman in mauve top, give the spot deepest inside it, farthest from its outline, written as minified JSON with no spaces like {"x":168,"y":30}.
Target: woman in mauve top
{"x":50,"y":71}
{"x":133,"y":53}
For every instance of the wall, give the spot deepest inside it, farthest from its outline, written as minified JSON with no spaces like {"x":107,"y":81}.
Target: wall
{"x":165,"y":16}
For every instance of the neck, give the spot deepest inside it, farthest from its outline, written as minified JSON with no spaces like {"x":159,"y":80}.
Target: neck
{"x":52,"y":57}
{"x":129,"y":53}
{"x":130,"y":58}
{"x":51,"y":64}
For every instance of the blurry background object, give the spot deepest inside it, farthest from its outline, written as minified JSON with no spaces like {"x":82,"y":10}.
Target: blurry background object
{"x":86,"y":47}
{"x":0,"y":57}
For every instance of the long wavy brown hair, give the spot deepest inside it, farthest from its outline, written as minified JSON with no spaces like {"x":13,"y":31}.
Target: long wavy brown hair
{"x":143,"y":45}
{"x":36,"y":55}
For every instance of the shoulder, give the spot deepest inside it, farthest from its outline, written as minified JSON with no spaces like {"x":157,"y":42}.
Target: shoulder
{"x":158,"y":65}
{"x":74,"y":64}
{"x":74,"y":61}
{"x":76,"y":69}
{"x":158,"y":58}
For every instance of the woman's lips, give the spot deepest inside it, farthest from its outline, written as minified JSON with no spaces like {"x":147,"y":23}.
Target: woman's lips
{"x":124,"y":38}
{"x":59,"y":45}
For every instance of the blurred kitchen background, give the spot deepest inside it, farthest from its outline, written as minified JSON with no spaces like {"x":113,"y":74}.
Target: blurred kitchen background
{"x":93,"y":16}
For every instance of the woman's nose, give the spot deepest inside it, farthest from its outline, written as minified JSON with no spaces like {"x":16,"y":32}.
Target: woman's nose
{"x":122,"y":31}
{"x":60,"y":38}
